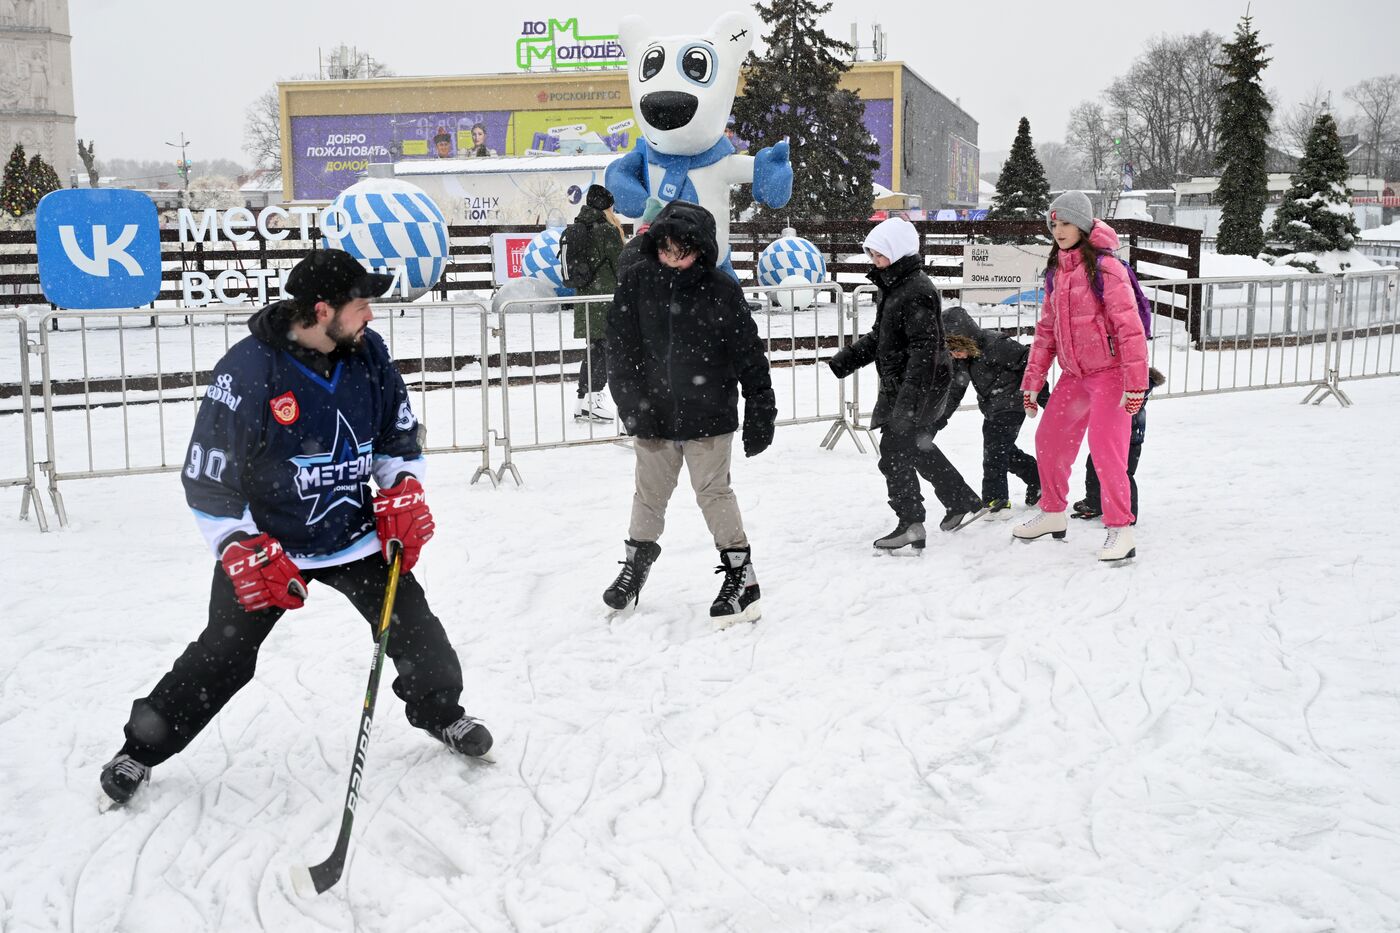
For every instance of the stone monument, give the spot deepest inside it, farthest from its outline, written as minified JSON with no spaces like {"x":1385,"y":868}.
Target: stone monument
{"x":36,"y":84}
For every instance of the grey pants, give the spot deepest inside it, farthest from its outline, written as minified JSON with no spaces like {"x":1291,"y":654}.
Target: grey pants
{"x":658,"y":469}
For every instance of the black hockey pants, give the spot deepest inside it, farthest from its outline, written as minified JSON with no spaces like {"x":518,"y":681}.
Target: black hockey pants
{"x":221,"y":660}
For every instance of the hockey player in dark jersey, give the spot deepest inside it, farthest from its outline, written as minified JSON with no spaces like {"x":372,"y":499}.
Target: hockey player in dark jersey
{"x":297,"y":420}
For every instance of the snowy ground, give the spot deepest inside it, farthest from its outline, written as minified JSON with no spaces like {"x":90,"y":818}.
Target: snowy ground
{"x":995,"y":737}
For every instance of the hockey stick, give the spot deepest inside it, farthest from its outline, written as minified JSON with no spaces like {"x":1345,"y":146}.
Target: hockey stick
{"x":316,"y":879}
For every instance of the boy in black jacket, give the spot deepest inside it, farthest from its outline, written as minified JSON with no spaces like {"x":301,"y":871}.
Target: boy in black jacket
{"x":681,"y":341}
{"x":995,"y":364}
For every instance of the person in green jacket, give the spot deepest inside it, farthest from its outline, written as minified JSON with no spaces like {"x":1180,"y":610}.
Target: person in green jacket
{"x":605,"y":239}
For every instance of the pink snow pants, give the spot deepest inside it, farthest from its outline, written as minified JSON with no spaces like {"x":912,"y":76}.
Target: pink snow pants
{"x":1091,"y":401}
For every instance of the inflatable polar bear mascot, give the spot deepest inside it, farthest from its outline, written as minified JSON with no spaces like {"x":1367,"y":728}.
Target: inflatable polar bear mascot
{"x":682,"y":91}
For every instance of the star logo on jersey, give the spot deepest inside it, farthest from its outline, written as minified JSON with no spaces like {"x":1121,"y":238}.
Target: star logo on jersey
{"x":336,"y":477}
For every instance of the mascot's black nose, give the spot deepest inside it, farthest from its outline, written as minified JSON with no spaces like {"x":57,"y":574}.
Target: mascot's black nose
{"x":668,"y":110}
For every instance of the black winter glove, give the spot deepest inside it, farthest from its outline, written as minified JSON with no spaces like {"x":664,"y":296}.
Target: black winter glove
{"x":760,"y":414}
{"x":841,"y":364}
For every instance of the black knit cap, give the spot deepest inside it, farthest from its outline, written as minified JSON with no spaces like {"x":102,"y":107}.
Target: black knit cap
{"x":334,"y":275}
{"x":598,"y":197}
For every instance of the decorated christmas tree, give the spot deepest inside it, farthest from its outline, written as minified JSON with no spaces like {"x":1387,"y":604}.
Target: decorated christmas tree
{"x":793,"y":93}
{"x":1023,"y":193}
{"x":42,"y":179}
{"x":14,"y":189}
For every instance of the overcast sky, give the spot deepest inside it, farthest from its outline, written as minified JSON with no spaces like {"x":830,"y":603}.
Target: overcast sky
{"x":143,"y":71}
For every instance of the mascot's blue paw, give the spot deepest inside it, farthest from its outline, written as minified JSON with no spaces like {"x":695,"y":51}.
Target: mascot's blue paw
{"x":772,"y":175}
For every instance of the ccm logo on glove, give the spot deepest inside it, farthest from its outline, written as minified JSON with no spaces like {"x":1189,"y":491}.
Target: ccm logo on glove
{"x":401,"y":515}
{"x":263,"y":575}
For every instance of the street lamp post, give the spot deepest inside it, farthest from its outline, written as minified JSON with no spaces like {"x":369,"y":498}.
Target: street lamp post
{"x":183,"y":167}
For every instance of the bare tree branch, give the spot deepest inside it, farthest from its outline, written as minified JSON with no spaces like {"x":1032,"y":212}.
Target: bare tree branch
{"x":1379,"y":101}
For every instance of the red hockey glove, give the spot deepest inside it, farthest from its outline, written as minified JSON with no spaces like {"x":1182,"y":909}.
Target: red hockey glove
{"x":1028,"y":403}
{"x":1132,"y":401}
{"x":401,"y":514}
{"x":263,"y":575}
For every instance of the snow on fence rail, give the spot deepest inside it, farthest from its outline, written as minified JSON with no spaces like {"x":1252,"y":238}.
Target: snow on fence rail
{"x":119,"y":390}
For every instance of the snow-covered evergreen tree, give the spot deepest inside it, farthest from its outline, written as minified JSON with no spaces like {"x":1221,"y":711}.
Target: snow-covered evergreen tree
{"x":1316,"y":213}
{"x":1023,"y":193}
{"x":792,"y":92}
{"x":1243,"y":143}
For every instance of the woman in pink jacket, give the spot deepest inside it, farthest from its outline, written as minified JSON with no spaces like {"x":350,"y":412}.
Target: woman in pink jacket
{"x":1102,"y":353}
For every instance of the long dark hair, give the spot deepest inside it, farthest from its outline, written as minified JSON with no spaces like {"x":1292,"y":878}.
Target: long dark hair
{"x":1086,"y":252}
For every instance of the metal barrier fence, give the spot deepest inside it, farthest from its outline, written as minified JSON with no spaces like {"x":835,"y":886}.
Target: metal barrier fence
{"x":109,"y":379}
{"x":120,"y":389}
{"x":1378,"y":250}
{"x":542,"y":336}
{"x":13,"y":470}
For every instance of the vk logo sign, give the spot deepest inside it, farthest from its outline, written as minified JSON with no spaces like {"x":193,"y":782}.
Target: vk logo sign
{"x":98,"y":249}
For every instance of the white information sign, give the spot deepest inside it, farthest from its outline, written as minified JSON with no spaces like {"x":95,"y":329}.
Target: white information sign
{"x":999,"y":271}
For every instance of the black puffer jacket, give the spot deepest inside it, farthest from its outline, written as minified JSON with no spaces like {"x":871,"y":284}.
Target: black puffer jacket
{"x":996,"y":373}
{"x":681,"y":342}
{"x":906,"y":346}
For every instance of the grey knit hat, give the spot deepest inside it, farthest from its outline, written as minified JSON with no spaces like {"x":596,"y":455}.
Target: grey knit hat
{"x":1072,"y":207}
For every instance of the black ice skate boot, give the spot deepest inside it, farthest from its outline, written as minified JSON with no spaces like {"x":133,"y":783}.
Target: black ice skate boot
{"x":121,"y":778}
{"x":627,"y":588}
{"x":1084,"y":508}
{"x":738,"y":592}
{"x":466,"y":736}
{"x":958,"y":519}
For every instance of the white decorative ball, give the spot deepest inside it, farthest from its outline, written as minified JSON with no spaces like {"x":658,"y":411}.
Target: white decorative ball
{"x":389,"y":225}
{"x":530,"y":291}
{"x":800,"y":298}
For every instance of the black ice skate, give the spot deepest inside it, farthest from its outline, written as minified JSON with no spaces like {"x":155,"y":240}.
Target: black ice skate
{"x":738,"y":593}
{"x":627,"y":588}
{"x":122,"y":777}
{"x":466,"y":736}
{"x":1032,"y":494}
{"x":958,"y":519}
{"x":1086,"y":509}
{"x":905,"y":534}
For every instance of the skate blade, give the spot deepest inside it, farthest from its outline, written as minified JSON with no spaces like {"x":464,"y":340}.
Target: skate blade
{"x":1086,"y":516}
{"x":105,"y":803}
{"x":751,"y":613}
{"x":485,"y":758}
{"x":969,"y":519}
{"x":1057,"y":535}
{"x":613,"y":615}
{"x":904,"y":550}
{"x":1120,"y":561}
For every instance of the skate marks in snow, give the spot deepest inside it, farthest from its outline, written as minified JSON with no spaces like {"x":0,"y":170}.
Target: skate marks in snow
{"x":996,"y":737}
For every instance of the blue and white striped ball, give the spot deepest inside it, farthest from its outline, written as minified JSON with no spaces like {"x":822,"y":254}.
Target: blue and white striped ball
{"x":541,"y":259}
{"x":789,"y":256}
{"x":388,"y":225}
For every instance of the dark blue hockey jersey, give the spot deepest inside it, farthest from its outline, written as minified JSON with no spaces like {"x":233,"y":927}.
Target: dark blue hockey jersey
{"x":280,"y":448}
